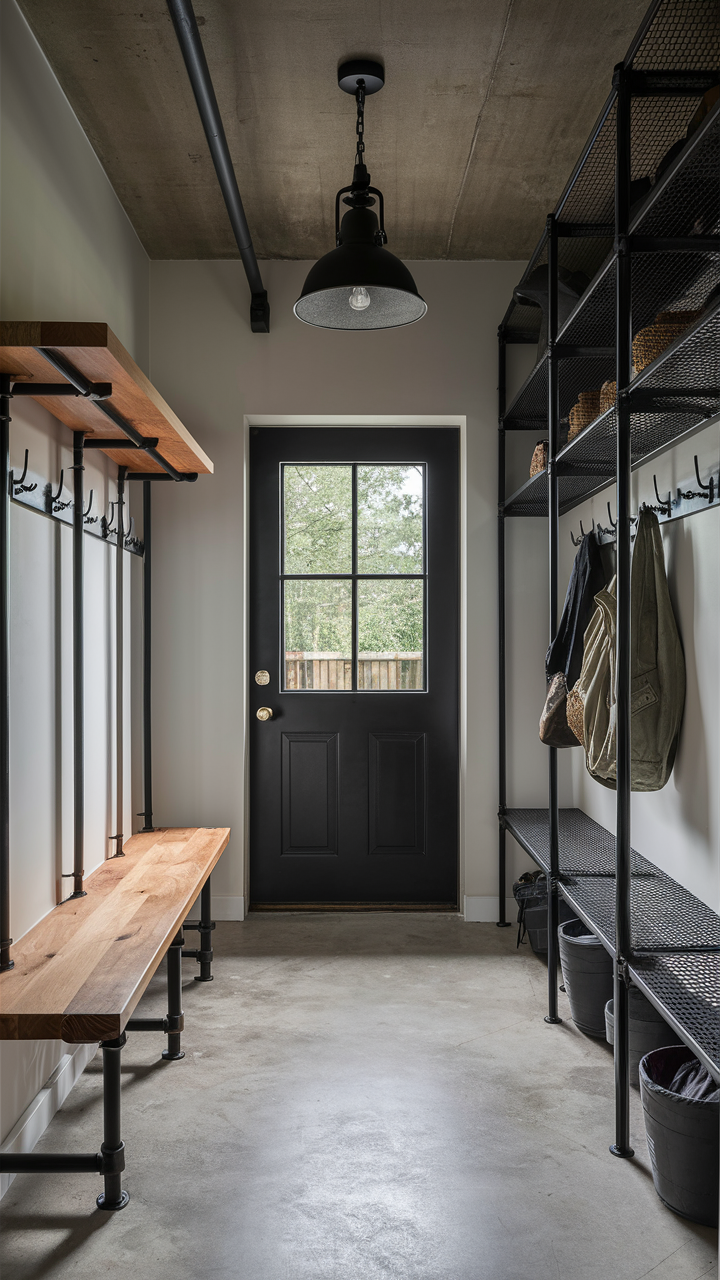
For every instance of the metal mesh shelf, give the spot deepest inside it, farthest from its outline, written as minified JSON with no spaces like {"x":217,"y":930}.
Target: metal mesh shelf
{"x":529,"y":410}
{"x":684,"y":987}
{"x":688,"y":372}
{"x":682,"y":35}
{"x":684,"y":202}
{"x":686,"y":990}
{"x":585,"y":847}
{"x":664,"y":915}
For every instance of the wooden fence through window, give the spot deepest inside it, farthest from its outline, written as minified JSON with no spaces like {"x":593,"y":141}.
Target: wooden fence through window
{"x":333,"y":671}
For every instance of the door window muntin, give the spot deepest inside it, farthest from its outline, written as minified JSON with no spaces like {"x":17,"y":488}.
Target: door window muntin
{"x":410,"y":680}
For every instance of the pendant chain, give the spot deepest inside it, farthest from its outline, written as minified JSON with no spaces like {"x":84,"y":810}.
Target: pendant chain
{"x":360,"y":126}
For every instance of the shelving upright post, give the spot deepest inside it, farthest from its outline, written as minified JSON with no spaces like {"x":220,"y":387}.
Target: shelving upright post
{"x":623,"y":344}
{"x":502,"y":690}
{"x":553,"y":549}
{"x":5,"y":939}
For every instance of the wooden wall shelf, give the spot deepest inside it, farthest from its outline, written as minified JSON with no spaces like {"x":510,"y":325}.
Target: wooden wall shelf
{"x":94,"y":350}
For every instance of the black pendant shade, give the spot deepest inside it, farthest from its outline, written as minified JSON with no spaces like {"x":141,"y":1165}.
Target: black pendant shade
{"x":360,"y":284}
{"x":359,"y":264}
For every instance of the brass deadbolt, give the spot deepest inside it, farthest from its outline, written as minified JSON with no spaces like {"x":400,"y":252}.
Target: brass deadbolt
{"x":264,"y":713}
{"x":262,"y":677}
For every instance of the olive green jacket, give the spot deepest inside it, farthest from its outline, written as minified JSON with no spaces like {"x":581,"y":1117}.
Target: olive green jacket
{"x":657,"y":672}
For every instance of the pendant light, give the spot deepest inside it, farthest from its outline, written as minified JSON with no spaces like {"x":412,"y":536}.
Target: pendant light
{"x":360,"y":284}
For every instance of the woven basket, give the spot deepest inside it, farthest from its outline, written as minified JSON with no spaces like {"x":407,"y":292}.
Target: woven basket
{"x":539,"y":458}
{"x":583,"y":413}
{"x":608,"y":392}
{"x":656,"y":338}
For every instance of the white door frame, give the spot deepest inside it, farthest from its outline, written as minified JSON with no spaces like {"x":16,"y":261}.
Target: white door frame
{"x":355,"y":420}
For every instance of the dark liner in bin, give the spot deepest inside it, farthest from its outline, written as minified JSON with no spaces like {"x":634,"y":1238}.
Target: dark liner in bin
{"x":682,"y":1134}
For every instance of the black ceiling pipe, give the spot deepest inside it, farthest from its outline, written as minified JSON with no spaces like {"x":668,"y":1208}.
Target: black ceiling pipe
{"x":186,"y":30}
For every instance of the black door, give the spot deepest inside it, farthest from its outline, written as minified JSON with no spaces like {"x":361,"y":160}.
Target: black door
{"x":354,"y":651}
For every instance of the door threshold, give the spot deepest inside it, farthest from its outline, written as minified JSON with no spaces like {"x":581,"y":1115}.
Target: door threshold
{"x":354,"y":906}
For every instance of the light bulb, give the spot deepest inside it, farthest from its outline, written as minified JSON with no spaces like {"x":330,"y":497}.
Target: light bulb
{"x":359,"y":298}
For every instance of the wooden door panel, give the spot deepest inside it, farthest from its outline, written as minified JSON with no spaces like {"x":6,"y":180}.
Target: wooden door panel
{"x":397,"y":793}
{"x":309,"y":793}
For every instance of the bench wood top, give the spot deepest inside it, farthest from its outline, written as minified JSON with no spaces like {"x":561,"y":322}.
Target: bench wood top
{"x":80,"y":972}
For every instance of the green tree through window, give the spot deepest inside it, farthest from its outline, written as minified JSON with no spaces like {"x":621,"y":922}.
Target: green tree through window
{"x":318,"y":532}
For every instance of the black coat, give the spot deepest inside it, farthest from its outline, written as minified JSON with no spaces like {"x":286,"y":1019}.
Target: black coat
{"x":587,"y":578}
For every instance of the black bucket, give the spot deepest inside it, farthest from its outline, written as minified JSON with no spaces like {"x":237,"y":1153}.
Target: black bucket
{"x":648,"y":1030}
{"x":682,"y":1138}
{"x":587,"y":971}
{"x":531,"y":896}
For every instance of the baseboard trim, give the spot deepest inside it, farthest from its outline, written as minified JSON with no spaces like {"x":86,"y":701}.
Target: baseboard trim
{"x":228,"y":908}
{"x":484,"y":910}
{"x":37,"y":1116}
{"x":448,"y":907}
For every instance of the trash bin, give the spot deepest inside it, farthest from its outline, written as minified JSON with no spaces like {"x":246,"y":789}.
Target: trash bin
{"x":530,"y":893}
{"x":681,"y":1102}
{"x":648,"y":1030}
{"x":587,"y":971}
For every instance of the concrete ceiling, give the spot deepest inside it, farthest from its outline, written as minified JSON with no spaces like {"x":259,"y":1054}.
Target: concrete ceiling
{"x":486,"y":106}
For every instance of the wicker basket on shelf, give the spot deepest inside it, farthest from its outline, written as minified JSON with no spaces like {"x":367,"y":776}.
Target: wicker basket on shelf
{"x":608,"y":393}
{"x":539,"y":458}
{"x":650,"y":342}
{"x":583,"y":413}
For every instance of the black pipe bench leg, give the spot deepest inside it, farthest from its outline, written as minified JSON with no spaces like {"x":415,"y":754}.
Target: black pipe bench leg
{"x":109,"y":1161}
{"x":205,"y":926}
{"x":175,"y":1019}
{"x":113,"y":1147}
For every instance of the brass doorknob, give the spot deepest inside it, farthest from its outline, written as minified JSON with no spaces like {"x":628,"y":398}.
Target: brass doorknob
{"x":264,"y":713}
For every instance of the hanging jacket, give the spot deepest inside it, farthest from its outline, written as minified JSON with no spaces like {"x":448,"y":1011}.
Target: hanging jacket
{"x":564,"y":657}
{"x":657,"y":672}
{"x":565,"y":654}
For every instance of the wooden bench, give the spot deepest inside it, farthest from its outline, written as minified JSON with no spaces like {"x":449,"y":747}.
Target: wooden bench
{"x":81,"y":971}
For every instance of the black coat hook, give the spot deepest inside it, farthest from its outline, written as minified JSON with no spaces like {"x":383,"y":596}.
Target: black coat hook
{"x":663,"y":505}
{"x":52,"y":500}
{"x":18,"y":486}
{"x":575,"y":541}
{"x":613,"y":523}
{"x":87,"y":518}
{"x":708,"y":488}
{"x":106,"y":522}
{"x":132,"y":543}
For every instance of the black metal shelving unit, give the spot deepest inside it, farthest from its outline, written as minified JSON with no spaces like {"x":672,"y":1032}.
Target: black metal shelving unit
{"x":661,"y":253}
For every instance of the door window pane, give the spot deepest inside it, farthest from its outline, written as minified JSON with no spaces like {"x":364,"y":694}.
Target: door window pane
{"x":318,"y":518}
{"x":318,"y":634}
{"x":390,"y":633}
{"x":390,"y":518}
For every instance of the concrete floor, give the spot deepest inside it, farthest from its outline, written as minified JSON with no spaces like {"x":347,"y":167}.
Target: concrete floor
{"x":364,"y":1097}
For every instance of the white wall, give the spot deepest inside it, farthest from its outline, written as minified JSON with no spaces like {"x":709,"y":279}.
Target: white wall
{"x":68,"y":253}
{"x":68,"y":249}
{"x":214,"y":371}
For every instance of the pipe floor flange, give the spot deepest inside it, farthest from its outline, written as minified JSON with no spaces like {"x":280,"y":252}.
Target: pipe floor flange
{"x":553,"y":1021}
{"x":621,"y":1154}
{"x":124,"y":1198}
{"x":173,"y":1057}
